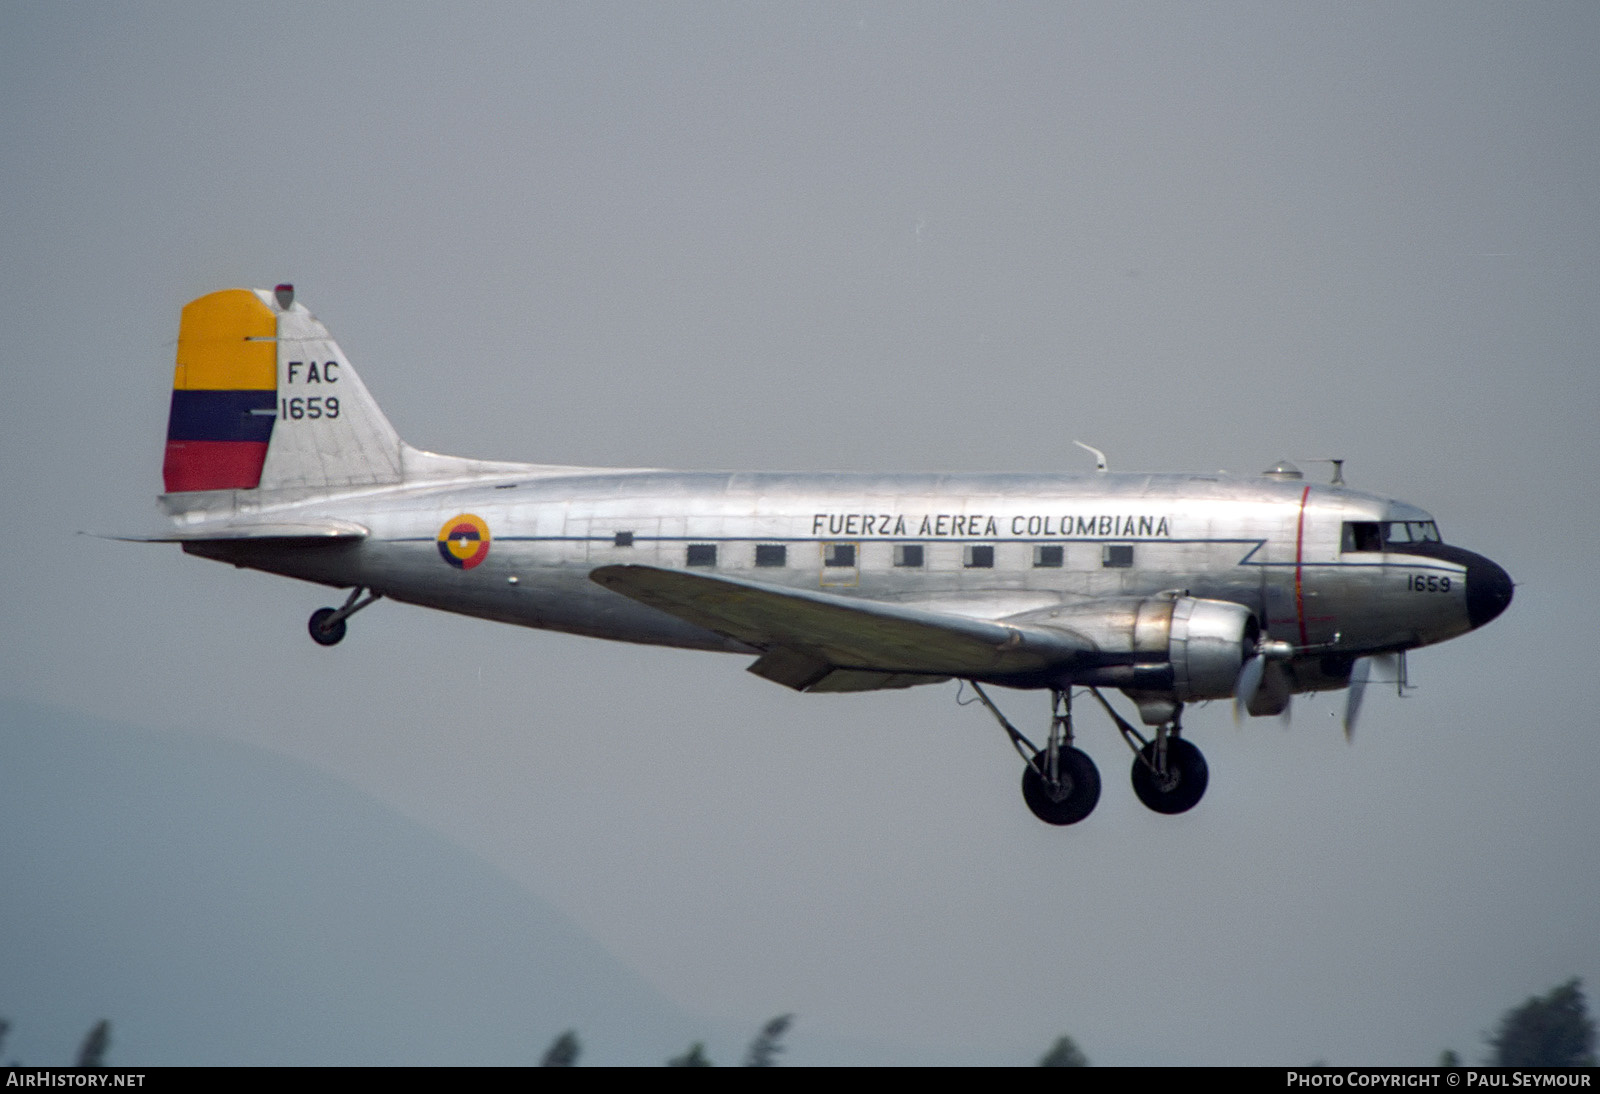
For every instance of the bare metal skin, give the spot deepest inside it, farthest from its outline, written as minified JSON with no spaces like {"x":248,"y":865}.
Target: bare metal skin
{"x":1172,"y":588}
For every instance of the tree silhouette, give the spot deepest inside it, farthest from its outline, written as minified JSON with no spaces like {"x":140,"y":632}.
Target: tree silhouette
{"x":563,"y":1051}
{"x":695,"y":1057}
{"x":93,"y":1051}
{"x":1064,"y":1053}
{"x":764,"y":1049}
{"x":1553,"y":1030}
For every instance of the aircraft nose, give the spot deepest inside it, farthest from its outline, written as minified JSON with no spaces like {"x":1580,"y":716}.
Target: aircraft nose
{"x":1488,"y":590}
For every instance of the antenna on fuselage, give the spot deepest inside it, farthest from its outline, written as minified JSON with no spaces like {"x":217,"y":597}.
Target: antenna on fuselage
{"x":1099,"y":456}
{"x":1338,"y":467}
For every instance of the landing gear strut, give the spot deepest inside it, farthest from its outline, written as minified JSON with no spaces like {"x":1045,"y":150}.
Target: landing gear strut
{"x":1169,"y":773}
{"x":327,"y":624}
{"x":1060,"y":784}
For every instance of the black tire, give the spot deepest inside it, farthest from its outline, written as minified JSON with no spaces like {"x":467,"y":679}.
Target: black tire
{"x":325,"y":635}
{"x":1078,"y":778}
{"x":1185,"y":784}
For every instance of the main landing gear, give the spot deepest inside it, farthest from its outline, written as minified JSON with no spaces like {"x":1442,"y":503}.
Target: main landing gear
{"x":1061,"y":784}
{"x":327,"y":624}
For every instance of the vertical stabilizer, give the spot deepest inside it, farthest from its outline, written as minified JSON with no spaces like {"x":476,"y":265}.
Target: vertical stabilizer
{"x":264,"y":399}
{"x":329,"y":431}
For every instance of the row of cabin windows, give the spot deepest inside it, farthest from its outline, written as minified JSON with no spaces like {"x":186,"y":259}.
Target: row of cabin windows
{"x":1358,"y":536}
{"x":975,"y":556}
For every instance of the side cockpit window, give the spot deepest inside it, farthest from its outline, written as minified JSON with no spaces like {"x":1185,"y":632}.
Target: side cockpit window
{"x":1361,"y":535}
{"x":1373,"y":535}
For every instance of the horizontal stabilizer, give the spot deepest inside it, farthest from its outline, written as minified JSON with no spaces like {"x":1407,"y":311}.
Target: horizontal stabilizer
{"x":810,"y":635}
{"x":321,"y":530}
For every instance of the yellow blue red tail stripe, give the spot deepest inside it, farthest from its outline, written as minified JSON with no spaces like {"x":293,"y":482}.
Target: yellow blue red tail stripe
{"x":224,"y":393}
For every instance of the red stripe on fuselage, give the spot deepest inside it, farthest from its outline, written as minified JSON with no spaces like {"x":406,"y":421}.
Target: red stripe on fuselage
{"x":1299,"y":553}
{"x":213,"y":465}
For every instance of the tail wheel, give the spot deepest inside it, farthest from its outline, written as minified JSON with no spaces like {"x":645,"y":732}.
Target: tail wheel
{"x":322,"y":633}
{"x":1074,"y":793}
{"x":1183,"y":784}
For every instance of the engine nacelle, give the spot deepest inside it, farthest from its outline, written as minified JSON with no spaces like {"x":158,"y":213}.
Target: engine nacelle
{"x":1208,"y":642}
{"x":1181,"y":647}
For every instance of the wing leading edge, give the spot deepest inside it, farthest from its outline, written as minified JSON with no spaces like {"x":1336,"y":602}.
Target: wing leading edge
{"x":817,"y":641}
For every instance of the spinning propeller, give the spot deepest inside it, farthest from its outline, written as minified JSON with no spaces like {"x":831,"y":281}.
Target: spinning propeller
{"x":1254,"y":671}
{"x":1360,"y":672}
{"x":1248,"y":683}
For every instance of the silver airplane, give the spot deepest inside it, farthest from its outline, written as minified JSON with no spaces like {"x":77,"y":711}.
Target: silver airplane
{"x":1171,"y":588}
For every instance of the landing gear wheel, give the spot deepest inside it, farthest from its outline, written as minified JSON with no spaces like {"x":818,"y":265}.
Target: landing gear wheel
{"x":1074,"y":794}
{"x":323,"y":634}
{"x":1184,"y":784}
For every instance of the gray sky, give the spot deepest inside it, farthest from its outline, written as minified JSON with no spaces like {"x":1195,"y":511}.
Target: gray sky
{"x":862,"y":236}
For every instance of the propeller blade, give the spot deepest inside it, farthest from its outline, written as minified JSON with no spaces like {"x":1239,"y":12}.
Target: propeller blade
{"x":1248,"y":683}
{"x":1392,"y":665}
{"x":1359,"y":672}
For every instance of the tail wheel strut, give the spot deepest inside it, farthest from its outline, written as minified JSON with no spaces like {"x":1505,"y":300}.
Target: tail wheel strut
{"x":327,"y":624}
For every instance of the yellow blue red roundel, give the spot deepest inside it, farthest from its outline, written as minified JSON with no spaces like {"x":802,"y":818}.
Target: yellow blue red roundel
{"x":464,"y":541}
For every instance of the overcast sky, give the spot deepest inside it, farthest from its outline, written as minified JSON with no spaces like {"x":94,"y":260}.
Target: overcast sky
{"x":863,"y":236}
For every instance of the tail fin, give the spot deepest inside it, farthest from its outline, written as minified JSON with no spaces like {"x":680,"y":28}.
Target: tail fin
{"x":263,"y":398}
{"x":224,"y":394}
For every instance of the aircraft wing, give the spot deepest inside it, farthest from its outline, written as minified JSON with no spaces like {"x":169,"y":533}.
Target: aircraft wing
{"x":320,"y":530}
{"x":819,"y":641}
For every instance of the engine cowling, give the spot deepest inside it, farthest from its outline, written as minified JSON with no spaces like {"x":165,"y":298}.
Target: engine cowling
{"x":1183,"y":647}
{"x":1208,"y":643}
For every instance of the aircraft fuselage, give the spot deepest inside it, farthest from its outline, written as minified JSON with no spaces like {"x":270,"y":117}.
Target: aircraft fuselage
{"x":983,"y":546}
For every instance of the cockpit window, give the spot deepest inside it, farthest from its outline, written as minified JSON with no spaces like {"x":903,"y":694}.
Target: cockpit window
{"x":1372,"y":535}
{"x":1361,"y":535}
{"x":1410,"y":531}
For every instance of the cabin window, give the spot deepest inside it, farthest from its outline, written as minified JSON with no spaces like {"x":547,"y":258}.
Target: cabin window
{"x":839,"y":554}
{"x":1117,"y":556}
{"x":1049,"y":556}
{"x":908,"y":554}
{"x":702,"y":554}
{"x":978,"y":556}
{"x":622,"y":539}
{"x":772,"y":554}
{"x":1361,"y":535}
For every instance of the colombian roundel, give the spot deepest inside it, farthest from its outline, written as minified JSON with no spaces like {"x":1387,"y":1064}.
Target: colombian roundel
{"x":464,"y":541}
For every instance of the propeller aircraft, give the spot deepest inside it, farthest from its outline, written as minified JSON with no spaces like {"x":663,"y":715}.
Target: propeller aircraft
{"x":1171,"y":588}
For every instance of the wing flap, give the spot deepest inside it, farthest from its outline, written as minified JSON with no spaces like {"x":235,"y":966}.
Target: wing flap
{"x":805,"y":672}
{"x":791,"y":668}
{"x":808,"y":635}
{"x":846,"y":680}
